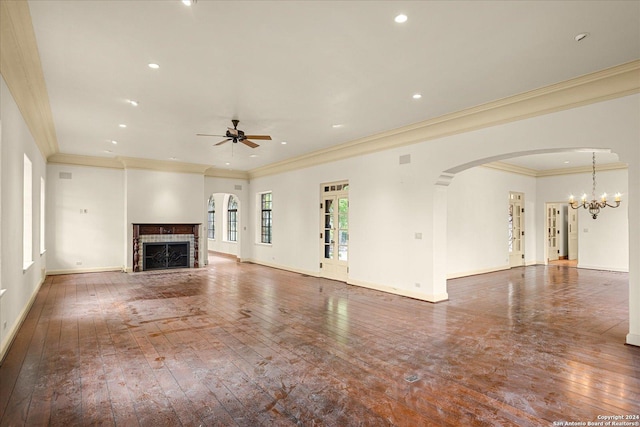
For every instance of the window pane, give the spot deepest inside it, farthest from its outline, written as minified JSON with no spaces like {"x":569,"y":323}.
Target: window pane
{"x":342,"y":253}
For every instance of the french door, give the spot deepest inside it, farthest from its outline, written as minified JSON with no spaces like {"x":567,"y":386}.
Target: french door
{"x":553,"y":231}
{"x":516,"y":229}
{"x":334,"y":231}
{"x":573,"y":234}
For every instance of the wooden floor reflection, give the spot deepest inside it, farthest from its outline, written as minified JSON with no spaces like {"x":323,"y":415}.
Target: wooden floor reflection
{"x":242,"y":344}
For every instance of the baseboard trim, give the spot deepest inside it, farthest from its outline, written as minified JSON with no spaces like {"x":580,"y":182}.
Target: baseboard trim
{"x":401,"y":292}
{"x":603,"y":268}
{"x":476,"y":272}
{"x":281,"y":267}
{"x":633,"y":339}
{"x":84,"y":270}
{"x":225,"y":255}
{"x":6,"y":343}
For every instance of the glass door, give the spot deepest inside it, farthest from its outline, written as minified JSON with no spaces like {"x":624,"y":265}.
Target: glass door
{"x":334,"y":231}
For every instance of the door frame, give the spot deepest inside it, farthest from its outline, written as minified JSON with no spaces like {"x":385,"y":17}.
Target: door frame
{"x":334,"y":269}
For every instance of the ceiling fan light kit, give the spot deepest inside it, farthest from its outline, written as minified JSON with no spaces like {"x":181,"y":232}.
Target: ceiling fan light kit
{"x":236,"y":135}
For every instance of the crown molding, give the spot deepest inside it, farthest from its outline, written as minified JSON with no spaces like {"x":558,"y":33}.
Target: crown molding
{"x":507,"y":167}
{"x":582,"y":169}
{"x":147,"y":164}
{"x":162,"y":165}
{"x":226,"y":173}
{"x":74,"y":159}
{"x":615,"y":82}
{"x":22,"y":71}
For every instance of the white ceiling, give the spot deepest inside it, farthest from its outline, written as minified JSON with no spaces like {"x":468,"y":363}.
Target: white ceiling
{"x":294,"y":69}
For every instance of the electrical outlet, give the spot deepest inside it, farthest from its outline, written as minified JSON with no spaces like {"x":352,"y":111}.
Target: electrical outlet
{"x":4,"y":325}
{"x":417,"y":285}
{"x":78,"y":262}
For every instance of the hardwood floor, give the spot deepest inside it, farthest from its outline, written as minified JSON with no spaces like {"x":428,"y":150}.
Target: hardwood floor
{"x":242,"y":344}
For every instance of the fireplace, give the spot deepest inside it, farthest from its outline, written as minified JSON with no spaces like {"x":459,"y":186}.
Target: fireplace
{"x":158,"y":256}
{"x":163,"y":246}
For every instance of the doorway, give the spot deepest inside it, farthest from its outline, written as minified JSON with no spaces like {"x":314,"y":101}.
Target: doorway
{"x":334,"y":231}
{"x":561,"y":234}
{"x":516,"y":229}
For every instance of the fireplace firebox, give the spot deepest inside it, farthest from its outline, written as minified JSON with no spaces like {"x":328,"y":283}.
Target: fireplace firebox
{"x":163,"y":255}
{"x":161,"y":246}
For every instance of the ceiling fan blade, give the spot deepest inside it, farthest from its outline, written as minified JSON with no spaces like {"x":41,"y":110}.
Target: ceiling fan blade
{"x":208,"y":134}
{"x":258,"y":137}
{"x":222,"y":142}
{"x":249,"y":143}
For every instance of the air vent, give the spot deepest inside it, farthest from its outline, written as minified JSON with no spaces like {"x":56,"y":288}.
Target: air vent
{"x":405,"y":159}
{"x":238,"y":187}
{"x":65,"y":175}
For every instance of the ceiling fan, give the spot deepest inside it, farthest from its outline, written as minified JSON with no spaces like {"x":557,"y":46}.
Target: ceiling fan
{"x":236,"y":135}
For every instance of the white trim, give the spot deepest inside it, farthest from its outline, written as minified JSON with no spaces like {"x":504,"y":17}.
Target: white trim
{"x":263,"y":244}
{"x":633,"y":339}
{"x":10,"y":336}
{"x":603,"y":268}
{"x":476,"y":272}
{"x":26,"y":266}
{"x":400,"y":292}
{"x":84,"y":270}
{"x":280,"y":267}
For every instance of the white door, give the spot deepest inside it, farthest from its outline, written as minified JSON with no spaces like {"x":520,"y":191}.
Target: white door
{"x":516,"y":229}
{"x":573,"y":234}
{"x":334,"y":231}
{"x":553,"y":231}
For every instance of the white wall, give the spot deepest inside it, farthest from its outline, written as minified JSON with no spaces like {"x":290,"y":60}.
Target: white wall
{"x":85,"y":218}
{"x":296,"y":216}
{"x":21,"y":286}
{"x":390,"y":203}
{"x":603,"y":243}
{"x":163,"y":197}
{"x":477,"y":232}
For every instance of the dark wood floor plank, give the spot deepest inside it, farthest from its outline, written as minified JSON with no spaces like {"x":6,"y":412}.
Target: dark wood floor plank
{"x":242,"y":344}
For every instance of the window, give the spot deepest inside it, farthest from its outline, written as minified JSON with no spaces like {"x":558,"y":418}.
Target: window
{"x":212,"y":218}
{"x":42,"y":200}
{"x":265,"y":222}
{"x":27,"y":215}
{"x":232,"y":220}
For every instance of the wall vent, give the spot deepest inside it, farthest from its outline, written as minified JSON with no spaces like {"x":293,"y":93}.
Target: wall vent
{"x":238,"y":187}
{"x":405,"y":159}
{"x":65,"y":175}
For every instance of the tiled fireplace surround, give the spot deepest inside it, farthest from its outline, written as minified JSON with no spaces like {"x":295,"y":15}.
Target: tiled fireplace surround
{"x":147,"y":233}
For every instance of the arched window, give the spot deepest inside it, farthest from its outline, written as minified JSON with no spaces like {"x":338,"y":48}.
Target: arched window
{"x":232,"y":220}
{"x":212,"y":218}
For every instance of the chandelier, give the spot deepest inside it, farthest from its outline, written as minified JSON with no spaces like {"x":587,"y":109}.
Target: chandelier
{"x":594,"y":205}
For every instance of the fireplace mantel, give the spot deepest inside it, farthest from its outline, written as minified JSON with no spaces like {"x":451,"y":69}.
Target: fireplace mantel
{"x":161,"y":230}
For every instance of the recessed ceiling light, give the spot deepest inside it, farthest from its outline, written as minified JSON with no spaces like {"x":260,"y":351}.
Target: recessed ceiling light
{"x":154,"y":66}
{"x":108,"y":151}
{"x":114,"y":142}
{"x":188,"y":2}
{"x":284,"y":143}
{"x":581,"y":36}
{"x":565,"y":162}
{"x":132,"y":102}
{"x":337,"y":125}
{"x":173,"y":158}
{"x":227,"y":163}
{"x":122,"y":125}
{"x":417,"y":96}
{"x":400,"y":19}
{"x":253,"y":155}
